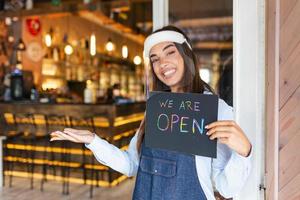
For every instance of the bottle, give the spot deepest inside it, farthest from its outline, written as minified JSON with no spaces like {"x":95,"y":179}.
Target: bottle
{"x":55,"y":55}
{"x":16,"y":85}
{"x":7,"y":94}
{"x":88,"y":95}
{"x":33,"y":95}
{"x":29,"y":4}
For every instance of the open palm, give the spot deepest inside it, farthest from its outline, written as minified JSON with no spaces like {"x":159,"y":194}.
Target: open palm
{"x":73,"y":135}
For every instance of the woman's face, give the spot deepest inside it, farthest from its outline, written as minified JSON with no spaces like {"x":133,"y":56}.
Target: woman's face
{"x":168,"y":64}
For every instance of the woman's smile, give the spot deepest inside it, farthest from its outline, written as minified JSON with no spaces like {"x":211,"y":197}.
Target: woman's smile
{"x":168,"y":73}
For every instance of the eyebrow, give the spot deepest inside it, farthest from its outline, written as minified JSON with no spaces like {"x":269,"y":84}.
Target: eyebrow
{"x":166,"y":47}
{"x":170,"y":45}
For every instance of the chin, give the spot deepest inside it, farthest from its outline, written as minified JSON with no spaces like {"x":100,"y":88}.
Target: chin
{"x":171,"y":83}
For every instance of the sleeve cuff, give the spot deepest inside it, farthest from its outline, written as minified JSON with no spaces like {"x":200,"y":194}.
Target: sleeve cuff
{"x":96,"y":143}
{"x":237,"y":158}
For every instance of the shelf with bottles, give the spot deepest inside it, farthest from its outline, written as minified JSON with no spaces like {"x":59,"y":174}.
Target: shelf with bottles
{"x":103,"y":70}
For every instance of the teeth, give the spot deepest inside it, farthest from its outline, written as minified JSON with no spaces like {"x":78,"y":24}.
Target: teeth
{"x":167,"y":73}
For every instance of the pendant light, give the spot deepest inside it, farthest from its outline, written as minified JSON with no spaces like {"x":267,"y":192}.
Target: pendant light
{"x":21,"y":45}
{"x":48,"y":40}
{"x":109,"y":46}
{"x":68,"y":49}
{"x":137,"y":60}
{"x":93,"y":45}
{"x":124,"y":51}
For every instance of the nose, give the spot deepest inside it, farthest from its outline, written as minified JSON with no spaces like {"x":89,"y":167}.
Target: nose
{"x":163,"y":63}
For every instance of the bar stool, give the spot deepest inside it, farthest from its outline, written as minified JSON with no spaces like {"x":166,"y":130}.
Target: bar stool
{"x":53,"y":123}
{"x":12,"y":136}
{"x":31,"y":137}
{"x":26,"y":129}
{"x":43,"y":139}
{"x":85,"y":123}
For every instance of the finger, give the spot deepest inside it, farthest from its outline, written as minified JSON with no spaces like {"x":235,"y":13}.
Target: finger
{"x":75,"y":131}
{"x":220,"y":123}
{"x":66,"y":137}
{"x":54,"y":134}
{"x":74,"y":135}
{"x":55,"y":139}
{"x":71,"y":130}
{"x":219,"y":135}
{"x":220,"y":128}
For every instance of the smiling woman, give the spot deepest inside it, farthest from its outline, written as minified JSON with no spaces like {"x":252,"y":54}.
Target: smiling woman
{"x":165,"y":174}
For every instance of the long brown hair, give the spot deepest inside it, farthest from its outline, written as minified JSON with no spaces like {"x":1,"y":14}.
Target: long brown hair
{"x":197,"y":85}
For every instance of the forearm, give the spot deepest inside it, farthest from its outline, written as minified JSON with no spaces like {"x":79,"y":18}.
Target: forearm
{"x":125,"y":162}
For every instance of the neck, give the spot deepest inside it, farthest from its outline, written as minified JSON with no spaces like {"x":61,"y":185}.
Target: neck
{"x":177,"y":89}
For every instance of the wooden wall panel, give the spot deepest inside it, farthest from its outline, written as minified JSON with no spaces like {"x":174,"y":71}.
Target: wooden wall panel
{"x":289,"y":119}
{"x":272,"y":93}
{"x":285,"y":9}
{"x":283,"y":19}
{"x":291,"y":191}
{"x":289,"y":101}
{"x":289,"y":162}
{"x":290,"y":76}
{"x":289,"y":69}
{"x":289,"y":33}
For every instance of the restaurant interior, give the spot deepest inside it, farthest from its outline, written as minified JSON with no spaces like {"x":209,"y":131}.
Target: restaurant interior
{"x":79,"y":64}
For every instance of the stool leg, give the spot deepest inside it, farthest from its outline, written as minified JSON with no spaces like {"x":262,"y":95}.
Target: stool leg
{"x":83,"y":164}
{"x":66,"y":179}
{"x":44,"y":167}
{"x":63,"y":170}
{"x":97,"y":179}
{"x":11,"y":168}
{"x":52,"y":158}
{"x":32,"y":166}
{"x":92,"y":179}
{"x":4,"y":162}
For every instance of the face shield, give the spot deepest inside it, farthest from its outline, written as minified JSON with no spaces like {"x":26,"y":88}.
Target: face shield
{"x":170,"y":65}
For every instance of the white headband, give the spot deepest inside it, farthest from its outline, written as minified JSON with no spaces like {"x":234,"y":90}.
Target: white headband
{"x":163,"y":36}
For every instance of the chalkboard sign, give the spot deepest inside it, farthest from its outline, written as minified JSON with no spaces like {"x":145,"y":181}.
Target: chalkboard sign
{"x":176,"y":121}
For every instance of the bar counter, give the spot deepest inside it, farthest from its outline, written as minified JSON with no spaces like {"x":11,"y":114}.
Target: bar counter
{"x":28,"y":152}
{"x":109,"y":119}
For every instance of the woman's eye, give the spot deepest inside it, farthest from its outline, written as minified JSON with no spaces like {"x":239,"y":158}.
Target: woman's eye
{"x":170,"y":53}
{"x":154,"y":60}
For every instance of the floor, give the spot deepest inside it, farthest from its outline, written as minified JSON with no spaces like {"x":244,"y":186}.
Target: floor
{"x":20,"y":191}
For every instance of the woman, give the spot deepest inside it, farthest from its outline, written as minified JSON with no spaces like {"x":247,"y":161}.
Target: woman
{"x":163,"y":174}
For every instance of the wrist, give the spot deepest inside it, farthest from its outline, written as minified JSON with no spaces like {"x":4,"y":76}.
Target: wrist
{"x":91,"y":138}
{"x":247,"y":151}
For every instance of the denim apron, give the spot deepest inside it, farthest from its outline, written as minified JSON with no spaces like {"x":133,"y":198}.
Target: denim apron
{"x":167,"y":175}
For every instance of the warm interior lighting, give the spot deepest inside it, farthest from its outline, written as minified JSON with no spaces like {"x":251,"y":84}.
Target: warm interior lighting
{"x":21,"y":45}
{"x":109,"y":46}
{"x":8,"y":21}
{"x":11,"y":39}
{"x":48,"y":40}
{"x":68,"y":49}
{"x":137,"y":60}
{"x":51,"y":84}
{"x":124,"y":51}
{"x":93,"y":45}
